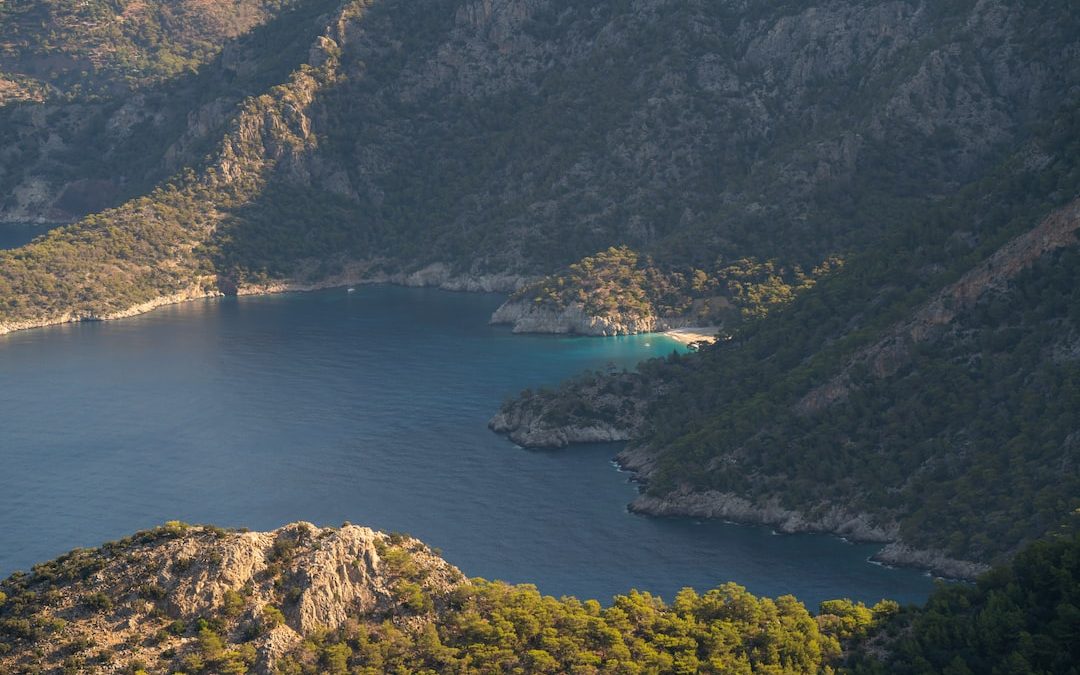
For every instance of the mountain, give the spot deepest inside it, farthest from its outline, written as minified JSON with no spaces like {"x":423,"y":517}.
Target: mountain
{"x":304,"y":599}
{"x":104,"y":134}
{"x":872,"y":200}
{"x":485,"y":144}
{"x":923,"y":396}
{"x":76,"y":48}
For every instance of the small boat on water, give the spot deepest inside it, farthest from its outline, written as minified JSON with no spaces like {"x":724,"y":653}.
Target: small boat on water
{"x":351,"y":290}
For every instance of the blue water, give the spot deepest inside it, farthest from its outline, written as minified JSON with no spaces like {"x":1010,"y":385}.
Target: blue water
{"x":369,"y":407}
{"x":13,"y":235}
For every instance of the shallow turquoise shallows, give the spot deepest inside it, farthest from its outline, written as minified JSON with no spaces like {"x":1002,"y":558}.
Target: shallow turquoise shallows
{"x":369,"y":407}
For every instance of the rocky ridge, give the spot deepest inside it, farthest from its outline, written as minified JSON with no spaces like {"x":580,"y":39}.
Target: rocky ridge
{"x":157,"y":599}
{"x":891,"y":352}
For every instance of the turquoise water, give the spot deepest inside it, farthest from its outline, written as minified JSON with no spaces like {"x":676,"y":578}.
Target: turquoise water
{"x":369,"y":407}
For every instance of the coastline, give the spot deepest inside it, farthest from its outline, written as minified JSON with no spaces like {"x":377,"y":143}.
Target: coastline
{"x":637,"y":461}
{"x":828,"y":519}
{"x":436,"y":275}
{"x":692,"y":334}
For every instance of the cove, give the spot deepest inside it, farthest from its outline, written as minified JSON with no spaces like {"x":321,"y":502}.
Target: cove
{"x":369,"y":407}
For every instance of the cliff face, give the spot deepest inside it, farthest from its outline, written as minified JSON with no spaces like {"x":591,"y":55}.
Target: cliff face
{"x":151,"y":599}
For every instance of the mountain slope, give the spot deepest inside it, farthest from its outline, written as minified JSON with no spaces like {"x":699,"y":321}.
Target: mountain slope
{"x":73,"y":155}
{"x":483,"y":143}
{"x":303,"y":599}
{"x":307,"y":600}
{"x":925,"y":395}
{"x":75,"y":48}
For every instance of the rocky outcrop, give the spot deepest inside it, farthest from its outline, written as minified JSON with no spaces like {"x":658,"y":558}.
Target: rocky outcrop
{"x":441,"y":275}
{"x":824,"y":518}
{"x":144,"y":597}
{"x":527,"y":428}
{"x":901,"y":555}
{"x":527,"y":317}
{"x":588,"y":409}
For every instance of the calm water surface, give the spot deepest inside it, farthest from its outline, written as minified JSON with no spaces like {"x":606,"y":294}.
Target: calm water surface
{"x":13,"y":235}
{"x":369,"y":407}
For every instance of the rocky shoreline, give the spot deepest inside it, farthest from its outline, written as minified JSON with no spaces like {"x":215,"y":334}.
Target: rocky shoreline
{"x":524,"y":426}
{"x":530,"y":318}
{"x":856,"y":527}
{"x":527,"y":434}
{"x":529,"y":426}
{"x":436,"y":275}
{"x":825,"y":519}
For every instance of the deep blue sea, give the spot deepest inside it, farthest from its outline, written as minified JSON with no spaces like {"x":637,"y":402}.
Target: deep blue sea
{"x":369,"y":407}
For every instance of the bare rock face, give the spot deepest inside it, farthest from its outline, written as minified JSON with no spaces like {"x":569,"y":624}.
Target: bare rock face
{"x":526,"y":318}
{"x":334,"y":573}
{"x":151,"y":598}
{"x":825,"y":518}
{"x":528,"y":430}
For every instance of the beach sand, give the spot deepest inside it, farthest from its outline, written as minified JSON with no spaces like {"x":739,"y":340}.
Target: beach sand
{"x":696,"y":334}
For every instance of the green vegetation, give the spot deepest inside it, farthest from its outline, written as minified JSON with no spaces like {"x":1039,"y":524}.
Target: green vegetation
{"x":526,"y":161}
{"x":619,"y":283}
{"x":94,"y":47}
{"x":1023,"y":618}
{"x":978,"y":420}
{"x":494,"y":627}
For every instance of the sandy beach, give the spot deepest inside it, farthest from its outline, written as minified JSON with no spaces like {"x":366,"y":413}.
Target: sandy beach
{"x":695,"y":334}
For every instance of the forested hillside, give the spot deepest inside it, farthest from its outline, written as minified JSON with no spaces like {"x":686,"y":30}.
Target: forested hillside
{"x":925,"y":395}
{"x":500,"y":141}
{"x":302,"y":599}
{"x":76,"y":153}
{"x":78,"y":48}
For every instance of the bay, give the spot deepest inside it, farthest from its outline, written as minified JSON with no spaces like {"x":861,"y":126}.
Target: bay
{"x":369,"y":407}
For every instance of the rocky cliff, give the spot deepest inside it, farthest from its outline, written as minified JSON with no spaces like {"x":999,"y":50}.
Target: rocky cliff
{"x":189,"y":598}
